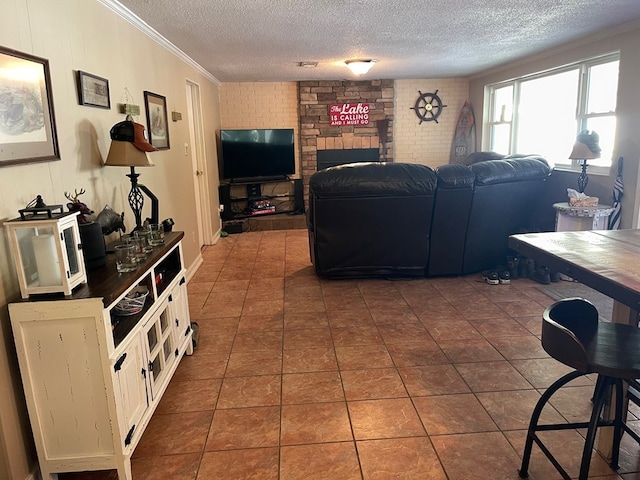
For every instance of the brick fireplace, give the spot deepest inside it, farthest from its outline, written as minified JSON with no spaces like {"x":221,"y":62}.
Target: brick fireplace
{"x":317,"y":133}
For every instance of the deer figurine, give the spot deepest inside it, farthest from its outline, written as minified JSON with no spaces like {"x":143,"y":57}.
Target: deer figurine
{"x":76,"y":205}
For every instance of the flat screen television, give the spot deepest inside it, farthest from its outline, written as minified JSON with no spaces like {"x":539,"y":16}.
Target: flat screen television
{"x":257,"y":154}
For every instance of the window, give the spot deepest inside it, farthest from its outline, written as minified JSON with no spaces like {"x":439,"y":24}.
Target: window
{"x":543,"y":113}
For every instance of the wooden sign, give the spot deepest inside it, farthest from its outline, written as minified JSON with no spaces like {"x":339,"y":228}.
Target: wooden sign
{"x":349,"y":114}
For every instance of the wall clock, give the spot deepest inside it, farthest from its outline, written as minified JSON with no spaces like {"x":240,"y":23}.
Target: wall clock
{"x":428,"y":106}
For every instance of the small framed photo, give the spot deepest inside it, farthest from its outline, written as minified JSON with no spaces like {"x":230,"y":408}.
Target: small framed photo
{"x":157,"y":125}
{"x":27,"y":121}
{"x":93,"y":91}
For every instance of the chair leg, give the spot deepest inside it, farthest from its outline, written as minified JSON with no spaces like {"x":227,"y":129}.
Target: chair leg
{"x":633,"y":391}
{"x":617,"y":430}
{"x":535,"y":417}
{"x":600,"y":397}
{"x":595,"y":389}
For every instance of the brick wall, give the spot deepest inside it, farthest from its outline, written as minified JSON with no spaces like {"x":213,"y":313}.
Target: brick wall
{"x":261,"y":105}
{"x":428,"y":143}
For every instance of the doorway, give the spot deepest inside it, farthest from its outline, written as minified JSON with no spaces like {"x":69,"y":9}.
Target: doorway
{"x":199,"y":166}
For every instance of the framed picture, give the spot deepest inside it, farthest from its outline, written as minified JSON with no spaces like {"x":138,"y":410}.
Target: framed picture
{"x":157,"y":125}
{"x":93,"y":91}
{"x":27,"y":121}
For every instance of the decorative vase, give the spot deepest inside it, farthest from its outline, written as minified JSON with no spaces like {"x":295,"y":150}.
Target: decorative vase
{"x":93,"y":246}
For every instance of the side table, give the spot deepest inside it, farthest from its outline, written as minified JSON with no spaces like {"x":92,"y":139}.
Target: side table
{"x":573,"y":219}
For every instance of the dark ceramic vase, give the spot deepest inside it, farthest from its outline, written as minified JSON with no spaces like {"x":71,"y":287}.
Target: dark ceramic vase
{"x":93,"y":247}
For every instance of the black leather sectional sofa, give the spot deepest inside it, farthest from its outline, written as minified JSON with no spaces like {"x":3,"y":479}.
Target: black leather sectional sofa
{"x":399,"y":219}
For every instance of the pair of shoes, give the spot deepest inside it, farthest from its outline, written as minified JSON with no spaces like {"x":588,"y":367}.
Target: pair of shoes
{"x":491,"y":277}
{"x":541,"y":275}
{"x":499,"y":276}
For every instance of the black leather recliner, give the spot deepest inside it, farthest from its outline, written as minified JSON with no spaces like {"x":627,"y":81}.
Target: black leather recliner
{"x":395,"y":219}
{"x":504,"y":198}
{"x":371,"y":219}
{"x":450,"y":219}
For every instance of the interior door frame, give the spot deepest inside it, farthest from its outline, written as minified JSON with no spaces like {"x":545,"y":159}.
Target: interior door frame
{"x":199,"y":165}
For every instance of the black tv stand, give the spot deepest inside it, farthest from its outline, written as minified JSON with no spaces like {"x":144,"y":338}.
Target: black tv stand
{"x":246,"y":180}
{"x":263,"y":196}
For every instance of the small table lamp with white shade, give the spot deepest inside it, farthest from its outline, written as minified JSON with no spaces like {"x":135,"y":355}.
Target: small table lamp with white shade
{"x":586,"y":148}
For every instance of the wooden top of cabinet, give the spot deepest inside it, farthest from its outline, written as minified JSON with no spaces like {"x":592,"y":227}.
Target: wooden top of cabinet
{"x":106,"y":283}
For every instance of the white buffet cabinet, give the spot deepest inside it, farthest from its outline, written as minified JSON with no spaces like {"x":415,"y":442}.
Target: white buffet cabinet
{"x":93,"y":378}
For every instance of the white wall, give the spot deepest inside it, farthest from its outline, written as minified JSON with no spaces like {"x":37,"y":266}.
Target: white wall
{"x":86,"y":35}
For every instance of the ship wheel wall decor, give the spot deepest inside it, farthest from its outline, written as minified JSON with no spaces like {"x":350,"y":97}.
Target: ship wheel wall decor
{"x":428,"y":106}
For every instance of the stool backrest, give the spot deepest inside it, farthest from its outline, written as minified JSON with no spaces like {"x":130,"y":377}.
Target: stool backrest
{"x":567,"y":327}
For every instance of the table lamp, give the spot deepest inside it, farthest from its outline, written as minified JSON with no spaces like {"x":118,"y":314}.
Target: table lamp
{"x":586,"y":148}
{"x":129,"y":147}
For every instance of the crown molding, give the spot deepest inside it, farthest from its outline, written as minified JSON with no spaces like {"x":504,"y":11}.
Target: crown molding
{"x":138,"y":23}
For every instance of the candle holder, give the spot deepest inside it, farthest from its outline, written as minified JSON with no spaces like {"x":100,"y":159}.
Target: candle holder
{"x":47,"y":252}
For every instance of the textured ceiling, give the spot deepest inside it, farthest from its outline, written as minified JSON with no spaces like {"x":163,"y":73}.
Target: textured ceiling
{"x":260,"y":40}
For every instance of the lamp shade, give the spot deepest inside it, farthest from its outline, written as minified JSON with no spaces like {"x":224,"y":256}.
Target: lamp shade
{"x":586,"y":147}
{"x":125,"y":154}
{"x":582,"y":152}
{"x":360,"y":67}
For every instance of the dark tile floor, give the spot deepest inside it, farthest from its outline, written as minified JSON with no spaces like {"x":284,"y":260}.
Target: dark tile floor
{"x":298,"y":378}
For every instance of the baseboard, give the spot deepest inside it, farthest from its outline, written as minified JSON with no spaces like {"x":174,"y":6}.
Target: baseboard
{"x":193,"y":268}
{"x":216,"y":237}
{"x":35,"y":474}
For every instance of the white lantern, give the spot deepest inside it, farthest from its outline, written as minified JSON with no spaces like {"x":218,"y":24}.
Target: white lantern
{"x":47,"y":253}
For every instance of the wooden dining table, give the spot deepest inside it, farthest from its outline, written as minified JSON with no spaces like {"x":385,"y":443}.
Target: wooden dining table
{"x":606,"y":260}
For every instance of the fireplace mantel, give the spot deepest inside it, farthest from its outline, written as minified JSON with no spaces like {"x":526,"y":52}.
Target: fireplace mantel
{"x":331,"y":158}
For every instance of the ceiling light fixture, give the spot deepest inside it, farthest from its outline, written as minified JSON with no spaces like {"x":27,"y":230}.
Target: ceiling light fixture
{"x":308,"y":64}
{"x":360,"y":67}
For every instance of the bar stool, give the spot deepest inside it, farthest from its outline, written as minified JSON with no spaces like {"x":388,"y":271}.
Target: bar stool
{"x":572,"y":334}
